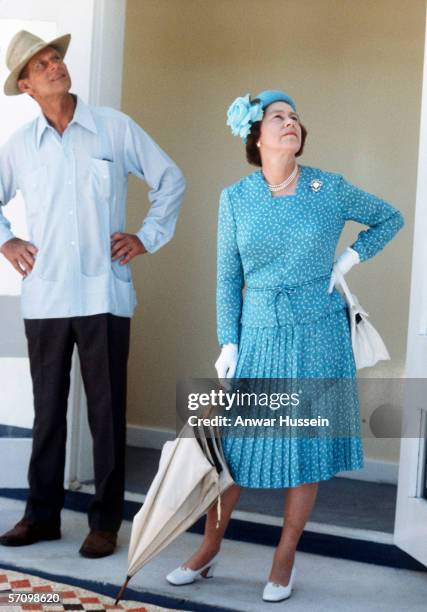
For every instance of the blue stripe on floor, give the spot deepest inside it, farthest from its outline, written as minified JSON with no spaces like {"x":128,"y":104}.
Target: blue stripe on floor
{"x":11,"y":431}
{"x":387,"y":555}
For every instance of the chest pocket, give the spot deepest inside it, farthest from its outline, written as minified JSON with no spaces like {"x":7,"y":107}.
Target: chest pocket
{"x":101,"y":176}
{"x":33,"y":187}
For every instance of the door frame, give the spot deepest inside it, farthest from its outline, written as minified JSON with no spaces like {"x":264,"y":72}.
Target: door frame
{"x":410,"y":532}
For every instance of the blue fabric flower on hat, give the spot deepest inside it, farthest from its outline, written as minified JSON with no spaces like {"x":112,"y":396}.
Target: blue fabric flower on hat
{"x":241,"y":114}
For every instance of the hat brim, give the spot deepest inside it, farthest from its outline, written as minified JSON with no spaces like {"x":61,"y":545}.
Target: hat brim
{"x":11,"y":84}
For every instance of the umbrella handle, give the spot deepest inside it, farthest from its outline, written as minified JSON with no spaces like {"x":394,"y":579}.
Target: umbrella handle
{"x":218,"y":510}
{"x":122,"y":590}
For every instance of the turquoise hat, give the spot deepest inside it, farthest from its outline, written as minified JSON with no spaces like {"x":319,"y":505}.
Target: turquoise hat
{"x":244,"y":111}
{"x":269,"y":96}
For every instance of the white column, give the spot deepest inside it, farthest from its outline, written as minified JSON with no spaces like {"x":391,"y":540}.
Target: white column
{"x":411,"y":513}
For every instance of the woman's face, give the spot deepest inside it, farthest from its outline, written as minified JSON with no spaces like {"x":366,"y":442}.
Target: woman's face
{"x":280,"y":129}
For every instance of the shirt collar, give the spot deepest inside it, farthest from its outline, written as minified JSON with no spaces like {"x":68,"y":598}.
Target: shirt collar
{"x":82,"y":116}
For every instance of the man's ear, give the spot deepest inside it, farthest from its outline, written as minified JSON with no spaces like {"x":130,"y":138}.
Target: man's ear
{"x":23,"y":85}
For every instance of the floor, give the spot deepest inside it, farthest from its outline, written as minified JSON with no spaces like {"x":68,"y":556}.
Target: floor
{"x":323,"y":584}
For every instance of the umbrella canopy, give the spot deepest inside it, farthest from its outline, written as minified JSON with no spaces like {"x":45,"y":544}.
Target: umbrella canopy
{"x":191,"y":476}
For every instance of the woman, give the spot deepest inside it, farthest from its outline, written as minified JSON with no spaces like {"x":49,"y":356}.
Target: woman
{"x":278,"y":231}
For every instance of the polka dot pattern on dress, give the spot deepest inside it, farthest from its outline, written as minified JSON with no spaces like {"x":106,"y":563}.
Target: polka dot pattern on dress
{"x":281,"y":250}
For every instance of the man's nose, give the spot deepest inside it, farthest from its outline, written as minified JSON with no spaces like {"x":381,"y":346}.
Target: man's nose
{"x":52,"y":66}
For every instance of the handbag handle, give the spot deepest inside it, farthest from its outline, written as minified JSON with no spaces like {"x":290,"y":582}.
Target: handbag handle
{"x":341,"y":280}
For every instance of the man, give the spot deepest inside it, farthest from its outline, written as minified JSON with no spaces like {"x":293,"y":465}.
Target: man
{"x":71,"y":164}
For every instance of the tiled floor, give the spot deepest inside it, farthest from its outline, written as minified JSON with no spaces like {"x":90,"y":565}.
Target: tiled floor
{"x":21,"y":588}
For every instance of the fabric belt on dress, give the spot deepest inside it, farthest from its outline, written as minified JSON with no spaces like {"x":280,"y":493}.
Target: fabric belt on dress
{"x":285,"y":290}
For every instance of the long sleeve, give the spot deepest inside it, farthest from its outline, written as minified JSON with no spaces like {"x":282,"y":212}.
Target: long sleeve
{"x":146,"y":160}
{"x":230,"y":279}
{"x":384,"y":220}
{"x":7,"y":192}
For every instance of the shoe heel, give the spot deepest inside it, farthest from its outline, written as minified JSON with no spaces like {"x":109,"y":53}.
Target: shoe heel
{"x":209,"y":571}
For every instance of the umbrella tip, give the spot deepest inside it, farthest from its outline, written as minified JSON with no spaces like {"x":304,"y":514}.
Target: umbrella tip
{"x":122,"y":590}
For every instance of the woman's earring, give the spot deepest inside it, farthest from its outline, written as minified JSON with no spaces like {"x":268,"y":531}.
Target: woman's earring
{"x":258,"y":144}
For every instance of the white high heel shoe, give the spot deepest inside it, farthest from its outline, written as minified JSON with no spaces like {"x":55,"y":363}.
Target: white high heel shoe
{"x":184,"y":575}
{"x":278,"y":592}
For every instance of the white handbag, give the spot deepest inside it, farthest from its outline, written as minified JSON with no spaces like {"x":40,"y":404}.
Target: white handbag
{"x":368,"y":346}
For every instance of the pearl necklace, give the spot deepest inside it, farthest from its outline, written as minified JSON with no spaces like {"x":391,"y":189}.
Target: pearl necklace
{"x":286,"y":182}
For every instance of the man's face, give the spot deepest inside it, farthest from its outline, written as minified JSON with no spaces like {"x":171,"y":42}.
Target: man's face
{"x":45,"y":75}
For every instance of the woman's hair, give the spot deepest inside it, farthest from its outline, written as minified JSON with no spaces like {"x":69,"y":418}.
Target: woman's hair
{"x":252,"y":151}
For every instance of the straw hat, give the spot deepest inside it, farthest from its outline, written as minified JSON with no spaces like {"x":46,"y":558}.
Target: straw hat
{"x":22,"y":48}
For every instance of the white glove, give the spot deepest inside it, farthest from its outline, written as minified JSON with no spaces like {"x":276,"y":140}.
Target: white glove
{"x":226,"y":363}
{"x":348,"y":258}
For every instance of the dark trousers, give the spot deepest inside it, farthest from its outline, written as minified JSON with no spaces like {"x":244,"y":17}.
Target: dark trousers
{"x":103,"y":347}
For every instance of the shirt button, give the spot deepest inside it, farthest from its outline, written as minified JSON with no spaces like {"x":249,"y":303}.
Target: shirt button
{"x":70,"y":212}
{"x":69,"y":182}
{"x":72,"y":243}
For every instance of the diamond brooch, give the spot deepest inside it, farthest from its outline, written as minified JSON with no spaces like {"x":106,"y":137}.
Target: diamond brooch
{"x":316,"y":185}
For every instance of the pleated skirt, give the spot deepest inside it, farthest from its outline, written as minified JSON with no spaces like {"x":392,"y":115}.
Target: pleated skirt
{"x":316,"y":350}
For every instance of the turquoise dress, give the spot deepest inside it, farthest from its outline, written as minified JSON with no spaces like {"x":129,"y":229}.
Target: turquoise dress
{"x":281,"y":250}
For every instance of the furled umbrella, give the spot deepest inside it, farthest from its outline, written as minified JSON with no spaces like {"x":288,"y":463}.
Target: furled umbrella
{"x":191,"y":477}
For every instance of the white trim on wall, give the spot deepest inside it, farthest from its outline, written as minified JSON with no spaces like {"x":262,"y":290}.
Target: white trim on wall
{"x":108,"y":36}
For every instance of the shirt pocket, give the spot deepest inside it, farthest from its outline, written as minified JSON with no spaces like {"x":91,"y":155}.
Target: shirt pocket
{"x":34,"y":189}
{"x":102,"y":174}
{"x":122,"y":273}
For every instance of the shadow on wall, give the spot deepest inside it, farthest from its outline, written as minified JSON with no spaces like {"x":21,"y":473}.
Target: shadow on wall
{"x":12,"y":337}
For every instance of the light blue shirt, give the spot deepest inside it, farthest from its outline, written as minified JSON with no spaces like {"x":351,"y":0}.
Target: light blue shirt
{"x":75,"y":190}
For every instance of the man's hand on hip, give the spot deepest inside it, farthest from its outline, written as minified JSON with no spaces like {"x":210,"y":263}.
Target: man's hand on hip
{"x":20,"y":253}
{"x":126,"y":246}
